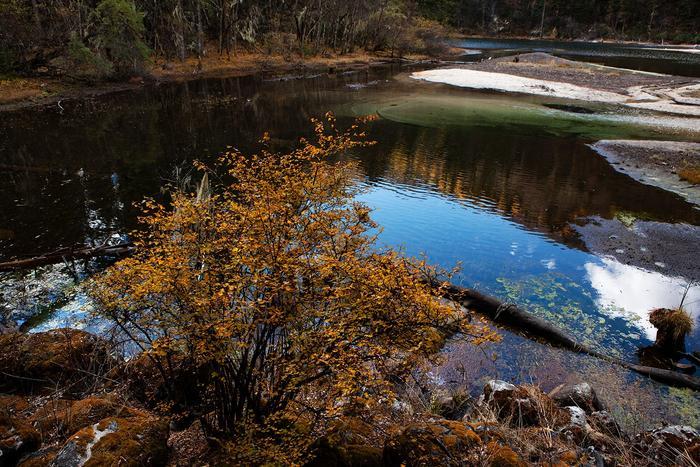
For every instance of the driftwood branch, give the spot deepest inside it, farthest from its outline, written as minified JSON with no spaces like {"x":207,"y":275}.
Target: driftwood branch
{"x":69,"y":254}
{"x":529,"y":325}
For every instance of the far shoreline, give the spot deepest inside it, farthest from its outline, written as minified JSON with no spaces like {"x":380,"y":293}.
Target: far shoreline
{"x":601,"y":40}
{"x":37,"y":92}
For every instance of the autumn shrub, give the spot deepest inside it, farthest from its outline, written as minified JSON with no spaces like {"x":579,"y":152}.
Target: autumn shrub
{"x":269,"y":290}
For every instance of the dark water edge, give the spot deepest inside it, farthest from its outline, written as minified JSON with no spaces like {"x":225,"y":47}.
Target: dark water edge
{"x":642,"y":57}
{"x":491,"y":181}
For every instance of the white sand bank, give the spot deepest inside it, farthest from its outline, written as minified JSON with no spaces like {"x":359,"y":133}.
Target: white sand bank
{"x":510,"y":83}
{"x":659,"y":100}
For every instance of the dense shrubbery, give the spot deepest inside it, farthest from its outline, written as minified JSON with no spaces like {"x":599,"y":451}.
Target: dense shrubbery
{"x":93,"y":40}
{"x":268,"y":295}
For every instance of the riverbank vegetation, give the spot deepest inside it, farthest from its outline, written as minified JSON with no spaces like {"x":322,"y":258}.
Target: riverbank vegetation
{"x":115,"y":38}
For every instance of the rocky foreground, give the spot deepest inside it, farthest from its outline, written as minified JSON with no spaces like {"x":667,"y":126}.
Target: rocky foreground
{"x":67,"y":400}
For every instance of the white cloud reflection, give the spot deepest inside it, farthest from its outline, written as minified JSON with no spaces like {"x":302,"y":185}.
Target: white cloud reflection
{"x":625,"y":291}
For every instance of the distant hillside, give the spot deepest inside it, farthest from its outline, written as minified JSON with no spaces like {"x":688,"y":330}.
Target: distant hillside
{"x":656,"y":20}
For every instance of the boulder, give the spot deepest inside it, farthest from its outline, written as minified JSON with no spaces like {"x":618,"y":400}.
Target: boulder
{"x":440,"y":442}
{"x":66,"y":358}
{"x":580,"y":395}
{"x":67,"y":417}
{"x":670,"y":445}
{"x":577,"y":427}
{"x":137,"y":441}
{"x":147,"y":384}
{"x":520,"y":406}
{"x":578,"y":417}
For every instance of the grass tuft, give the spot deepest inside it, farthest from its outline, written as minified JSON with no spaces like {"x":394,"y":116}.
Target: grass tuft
{"x":690,"y":174}
{"x":678,"y":321}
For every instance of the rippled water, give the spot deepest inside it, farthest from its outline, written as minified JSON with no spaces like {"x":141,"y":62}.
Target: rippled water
{"x":492,"y":182}
{"x":654,"y":58}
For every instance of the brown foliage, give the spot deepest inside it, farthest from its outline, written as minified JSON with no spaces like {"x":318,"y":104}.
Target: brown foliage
{"x":270,"y":292}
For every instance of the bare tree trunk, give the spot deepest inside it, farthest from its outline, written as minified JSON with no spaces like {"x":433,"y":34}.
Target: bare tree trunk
{"x":200,"y":34}
{"x":179,"y":17}
{"x":36,"y":17}
{"x":544,"y":11}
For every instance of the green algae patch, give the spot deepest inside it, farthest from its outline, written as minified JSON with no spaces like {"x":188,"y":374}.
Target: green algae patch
{"x":510,"y":113}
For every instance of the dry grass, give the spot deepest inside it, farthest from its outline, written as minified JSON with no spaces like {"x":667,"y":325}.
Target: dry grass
{"x":690,"y":174}
{"x":13,"y":90}
{"x":678,"y":322}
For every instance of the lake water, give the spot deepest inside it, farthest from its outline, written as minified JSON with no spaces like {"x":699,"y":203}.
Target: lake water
{"x":665,"y":59}
{"x":489,"y":181}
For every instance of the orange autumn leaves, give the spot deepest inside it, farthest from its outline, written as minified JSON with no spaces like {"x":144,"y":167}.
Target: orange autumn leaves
{"x":270,"y":290}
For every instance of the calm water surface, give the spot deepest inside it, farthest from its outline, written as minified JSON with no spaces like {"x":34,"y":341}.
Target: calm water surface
{"x":488,"y":181}
{"x":655,"y":58}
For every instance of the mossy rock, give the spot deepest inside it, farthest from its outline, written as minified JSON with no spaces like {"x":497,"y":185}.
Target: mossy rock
{"x":137,"y":441}
{"x":67,"y":417}
{"x":442,"y":442}
{"x":503,"y":456}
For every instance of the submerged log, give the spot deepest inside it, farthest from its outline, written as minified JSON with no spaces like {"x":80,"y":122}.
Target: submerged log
{"x":69,"y":254}
{"x":523,"y":322}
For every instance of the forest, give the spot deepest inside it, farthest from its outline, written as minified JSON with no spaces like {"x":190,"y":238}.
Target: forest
{"x":115,"y":37}
{"x":637,"y":20}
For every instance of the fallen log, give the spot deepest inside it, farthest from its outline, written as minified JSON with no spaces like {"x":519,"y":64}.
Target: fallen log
{"x":522,"y":322}
{"x":68,"y":254}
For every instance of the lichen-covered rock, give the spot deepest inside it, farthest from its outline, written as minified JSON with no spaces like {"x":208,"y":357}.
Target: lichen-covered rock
{"x":503,"y":456}
{"x":17,"y":437}
{"x":580,"y":395}
{"x":671,"y":444}
{"x":578,"y":417}
{"x":441,"y":442}
{"x":67,"y":417}
{"x":137,"y":441}
{"x":65,"y":358}
{"x":576,"y":428}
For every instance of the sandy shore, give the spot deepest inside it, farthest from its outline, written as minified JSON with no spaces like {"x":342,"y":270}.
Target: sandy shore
{"x":546,"y":75}
{"x":656,"y":163}
{"x":669,"y":249}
